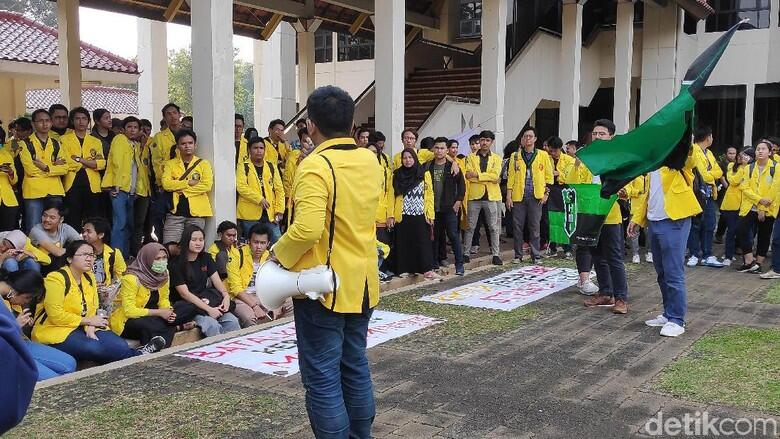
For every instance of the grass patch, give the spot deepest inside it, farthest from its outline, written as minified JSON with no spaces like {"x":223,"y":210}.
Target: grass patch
{"x":773,"y":294}
{"x":736,"y":366}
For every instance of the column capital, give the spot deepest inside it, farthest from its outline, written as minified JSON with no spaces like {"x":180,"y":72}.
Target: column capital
{"x":307,"y":24}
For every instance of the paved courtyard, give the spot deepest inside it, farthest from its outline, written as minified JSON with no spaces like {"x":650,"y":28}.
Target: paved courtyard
{"x":557,"y":370}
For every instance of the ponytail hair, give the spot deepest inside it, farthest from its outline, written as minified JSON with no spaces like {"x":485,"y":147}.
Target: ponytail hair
{"x":24,"y":282}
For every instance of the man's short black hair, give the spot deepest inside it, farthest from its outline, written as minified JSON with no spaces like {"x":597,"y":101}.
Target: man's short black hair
{"x":131,"y":119}
{"x":427,"y":142}
{"x":452,"y":142}
{"x":606,"y":123}
{"x":224,"y":226}
{"x":554,"y":142}
{"x":101,"y":225}
{"x":56,"y":204}
{"x":275,"y":122}
{"x":487,"y":134}
{"x":24,"y":124}
{"x":301,"y":120}
{"x":55,"y":107}
{"x":332,"y":110}
{"x":259,"y":229}
{"x":361,"y":130}
{"x":169,"y":105}
{"x":443,"y":140}
{"x":474,"y":139}
{"x":253,"y":140}
{"x":302,"y":132}
{"x":185,"y":132}
{"x":526,"y":129}
{"x":79,"y":110}
{"x":573,"y":142}
{"x":146,"y":123}
{"x":702,"y":132}
{"x":35,"y":113}
{"x":239,"y":117}
{"x":377,"y":136}
{"x":187,"y":118}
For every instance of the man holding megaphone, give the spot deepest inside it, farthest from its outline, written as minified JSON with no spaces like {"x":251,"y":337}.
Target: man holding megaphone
{"x":335,"y":195}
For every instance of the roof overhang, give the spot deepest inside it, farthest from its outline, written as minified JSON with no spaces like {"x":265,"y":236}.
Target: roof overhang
{"x":699,"y":9}
{"x":53,"y":71}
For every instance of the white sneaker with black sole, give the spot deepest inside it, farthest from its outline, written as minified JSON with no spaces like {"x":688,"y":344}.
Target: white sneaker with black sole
{"x":659,"y":321}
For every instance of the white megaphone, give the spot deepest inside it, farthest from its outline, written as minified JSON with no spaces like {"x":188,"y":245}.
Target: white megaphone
{"x":274,"y":284}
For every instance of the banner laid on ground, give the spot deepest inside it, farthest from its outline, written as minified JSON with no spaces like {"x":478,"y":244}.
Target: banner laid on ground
{"x":509,"y":290}
{"x":275,"y":350}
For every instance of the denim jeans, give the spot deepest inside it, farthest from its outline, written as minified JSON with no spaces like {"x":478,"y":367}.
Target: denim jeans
{"x":334,"y":369}
{"x":608,"y":260}
{"x":730,"y":218}
{"x":50,"y":362}
{"x":667,"y":242}
{"x":210,"y":326}
{"x":33,"y":211}
{"x":10,"y":265}
{"x":447,"y":221}
{"x":273,"y":228}
{"x":703,"y":230}
{"x":122,"y":224}
{"x":109,"y":346}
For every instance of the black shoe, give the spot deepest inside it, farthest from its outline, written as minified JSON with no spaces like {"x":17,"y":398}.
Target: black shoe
{"x":497,"y":261}
{"x":154,"y":345}
{"x":466,"y":259}
{"x":752,"y":267}
{"x":460,"y":271}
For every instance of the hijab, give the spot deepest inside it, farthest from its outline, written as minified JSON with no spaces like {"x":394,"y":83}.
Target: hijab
{"x":406,"y":179}
{"x":142,"y":267}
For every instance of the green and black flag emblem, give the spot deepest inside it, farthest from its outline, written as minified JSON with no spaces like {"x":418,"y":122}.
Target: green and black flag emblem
{"x":577,"y":212}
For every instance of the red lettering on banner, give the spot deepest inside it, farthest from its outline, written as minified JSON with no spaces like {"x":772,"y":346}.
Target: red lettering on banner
{"x":227,"y":349}
{"x":288,"y":360}
{"x":204,"y":354}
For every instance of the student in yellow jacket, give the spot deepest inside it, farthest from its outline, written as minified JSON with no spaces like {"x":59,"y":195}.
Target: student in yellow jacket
{"x":460,"y":159}
{"x":759,"y":207}
{"x":708,"y":174}
{"x":164,"y":142}
{"x":9,"y":204}
{"x":335,"y":194}
{"x":43,"y":160}
{"x":276,"y":147}
{"x":241,"y":272}
{"x":632,"y":192}
{"x":260,"y":191}
{"x":143,"y":308}
{"x":409,"y":141}
{"x":483,"y":173}
{"x":109,"y":265}
{"x":68,"y":320}
{"x":732,"y":201}
{"x":18,"y":253}
{"x":188,"y":179}
{"x":242,"y":154}
{"x":293,"y":159}
{"x":666,"y":210}
{"x":384,"y":209}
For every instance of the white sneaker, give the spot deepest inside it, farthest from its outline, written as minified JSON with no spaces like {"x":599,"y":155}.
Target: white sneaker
{"x":516,"y":261}
{"x":726,"y":262}
{"x":588,"y":288}
{"x":672,"y":329}
{"x":635,"y":259}
{"x":649,"y":258}
{"x":658,"y":321}
{"x":771,"y":274}
{"x":712,"y":261}
{"x":693,"y":261}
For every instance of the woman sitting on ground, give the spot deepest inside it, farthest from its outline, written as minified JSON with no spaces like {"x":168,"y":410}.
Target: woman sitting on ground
{"x":143,"y":309}
{"x":190,"y":276}
{"x":68,"y":317}
{"x":18,"y":289}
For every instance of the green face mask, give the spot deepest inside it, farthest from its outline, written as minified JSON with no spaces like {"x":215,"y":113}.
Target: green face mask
{"x":160,"y":266}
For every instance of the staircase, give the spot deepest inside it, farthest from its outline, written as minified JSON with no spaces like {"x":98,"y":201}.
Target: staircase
{"x":426,"y":88}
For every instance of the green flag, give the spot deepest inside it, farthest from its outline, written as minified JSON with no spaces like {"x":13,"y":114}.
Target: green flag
{"x":662,"y":140}
{"x":577,"y":212}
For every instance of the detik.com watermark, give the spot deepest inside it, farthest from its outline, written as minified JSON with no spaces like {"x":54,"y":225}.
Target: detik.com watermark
{"x":704,"y":424}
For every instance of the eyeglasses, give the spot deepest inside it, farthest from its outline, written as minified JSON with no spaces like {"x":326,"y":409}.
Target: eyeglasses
{"x":86,"y":255}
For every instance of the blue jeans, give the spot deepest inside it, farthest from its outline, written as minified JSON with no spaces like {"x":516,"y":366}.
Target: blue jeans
{"x":608,"y":261}
{"x":50,"y":362}
{"x":667,"y":242}
{"x":33,"y":211}
{"x":10,"y":265}
{"x":122,"y":224}
{"x":447,"y":221}
{"x":109,"y":347}
{"x":703,"y":230}
{"x":731,"y":218}
{"x":776,"y":247}
{"x":334,"y":369}
{"x":273,"y":228}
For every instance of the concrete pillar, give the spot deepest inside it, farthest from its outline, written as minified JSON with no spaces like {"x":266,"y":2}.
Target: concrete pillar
{"x":69,"y":52}
{"x":153,"y":64}
{"x":493,"y":85}
{"x":633,"y":110}
{"x":306,"y":65}
{"x":750,"y":100}
{"x":571,"y":58}
{"x":624,"y":52}
{"x":389,"y":47}
{"x":659,"y":57}
{"x":774,"y":14}
{"x":213,"y":105}
{"x":274,"y":77}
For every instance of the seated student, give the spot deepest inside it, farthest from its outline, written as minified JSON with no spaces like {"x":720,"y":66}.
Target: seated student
{"x":67,"y":319}
{"x":143,"y":309}
{"x":190,"y":273}
{"x":17,"y":253}
{"x":109,"y":264}
{"x":52,"y":235}
{"x":18,"y":289}
{"x":241,"y":278}
{"x":224,"y":248}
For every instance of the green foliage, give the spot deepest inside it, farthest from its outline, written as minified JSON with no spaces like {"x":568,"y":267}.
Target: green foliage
{"x":42,"y":11}
{"x":773,"y":295}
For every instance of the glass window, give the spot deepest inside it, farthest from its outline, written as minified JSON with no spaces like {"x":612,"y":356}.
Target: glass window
{"x":729,"y":12}
{"x":723,"y":108}
{"x":766,"y":113}
{"x":353,"y":48}
{"x":470,"y":18}
{"x":323,"y":46}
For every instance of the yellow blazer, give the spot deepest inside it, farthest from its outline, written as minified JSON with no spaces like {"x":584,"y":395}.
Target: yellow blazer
{"x":162,"y":144}
{"x":250,"y":194}
{"x":37,"y":183}
{"x":708,"y":168}
{"x":61,"y":311}
{"x":565,"y":162}
{"x":428,"y":201}
{"x":305,"y":244}
{"x":92,"y":149}
{"x":423,"y":156}
{"x":757,"y":185}
{"x":197,"y":195}
{"x":241,"y":268}
{"x":679,"y":200}
{"x":243,"y":150}
{"x":119,"y":167}
{"x":131,"y":302}
{"x":732,"y":199}
{"x":7,"y":183}
{"x":276,"y":153}
{"x":541,"y":174}
{"x":486,"y":181}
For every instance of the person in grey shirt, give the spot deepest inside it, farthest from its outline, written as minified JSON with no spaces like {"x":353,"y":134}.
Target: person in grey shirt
{"x":52,"y":235}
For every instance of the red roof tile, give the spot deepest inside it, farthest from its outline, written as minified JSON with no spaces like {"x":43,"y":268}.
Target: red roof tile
{"x":114,"y":99}
{"x":24,"y":40}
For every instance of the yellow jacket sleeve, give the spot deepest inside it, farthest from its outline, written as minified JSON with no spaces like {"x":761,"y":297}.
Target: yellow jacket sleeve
{"x":428,"y":200}
{"x":53,"y":303}
{"x":242,"y":184}
{"x":120,"y":266}
{"x":71,"y":149}
{"x":391,"y":199}
{"x":511,"y":172}
{"x":30,"y":170}
{"x":493,"y":171}
{"x":127,"y":292}
{"x":702,"y":165}
{"x":111,"y":165}
{"x":43,"y":258}
{"x":171,"y":184}
{"x":278,"y":190}
{"x":165,"y":296}
{"x":205,"y":182}
{"x":639,"y":209}
{"x":747,"y":190}
{"x":234,"y":277}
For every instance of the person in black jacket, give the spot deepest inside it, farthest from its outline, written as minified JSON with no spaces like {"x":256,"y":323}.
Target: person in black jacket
{"x":448,"y":193}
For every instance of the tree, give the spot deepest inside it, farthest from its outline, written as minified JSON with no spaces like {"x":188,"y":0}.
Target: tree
{"x":180,"y":84}
{"x":43,"y":11}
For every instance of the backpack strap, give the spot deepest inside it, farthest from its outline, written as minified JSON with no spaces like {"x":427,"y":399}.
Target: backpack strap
{"x":56,"y":150}
{"x":187,"y":171}
{"x":30,"y":148}
{"x":111,"y":261}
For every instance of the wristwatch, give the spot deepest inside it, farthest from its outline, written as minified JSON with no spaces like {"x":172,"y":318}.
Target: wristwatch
{"x":77,"y":159}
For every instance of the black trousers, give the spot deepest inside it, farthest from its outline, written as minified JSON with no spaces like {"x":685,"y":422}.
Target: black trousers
{"x":9,"y":218}
{"x":749,"y":224}
{"x":81,"y":204}
{"x":145,"y":328}
{"x":140,"y":210}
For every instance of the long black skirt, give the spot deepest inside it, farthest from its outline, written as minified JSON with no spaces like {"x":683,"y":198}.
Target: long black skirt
{"x":412,"y":252}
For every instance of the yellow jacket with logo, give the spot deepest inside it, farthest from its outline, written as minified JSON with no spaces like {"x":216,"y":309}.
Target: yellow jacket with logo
{"x":92,"y":149}
{"x":241,"y":268}
{"x":119,"y":167}
{"x":732,"y":199}
{"x":115,"y":270}
{"x":679,"y":200}
{"x":162,"y":144}
{"x":485,"y":181}
{"x":384,"y":209}
{"x":250,"y":194}
{"x":423,"y":156}
{"x":757,"y":185}
{"x":428,"y":201}
{"x":580,"y":174}
{"x":276,"y":153}
{"x":243,"y":150}
{"x":305,"y":244}
{"x":708,"y":168}
{"x":198,"y":195}
{"x":541,"y":174}
{"x":131,"y":302}
{"x":565,"y":162}
{"x":7,"y":183}
{"x":61,"y":310}
{"x":37,"y":183}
